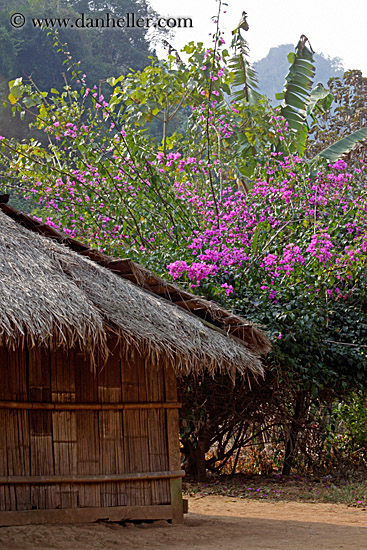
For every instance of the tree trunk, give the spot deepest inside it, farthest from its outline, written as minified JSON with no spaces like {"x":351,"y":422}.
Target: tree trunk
{"x":290,"y":449}
{"x":165,"y":126}
{"x":295,"y":427}
{"x":194,"y":457}
{"x":201,"y":466}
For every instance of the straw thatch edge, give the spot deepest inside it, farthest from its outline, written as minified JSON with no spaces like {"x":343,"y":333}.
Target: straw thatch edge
{"x":238,"y":355}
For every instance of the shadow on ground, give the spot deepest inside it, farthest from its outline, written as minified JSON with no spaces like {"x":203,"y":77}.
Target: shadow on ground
{"x":214,"y":522}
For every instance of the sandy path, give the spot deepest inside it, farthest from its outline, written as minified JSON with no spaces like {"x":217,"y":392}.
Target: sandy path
{"x":213,"y":522}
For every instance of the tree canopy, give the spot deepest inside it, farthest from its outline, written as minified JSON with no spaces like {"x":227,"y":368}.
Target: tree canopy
{"x":29,"y":51}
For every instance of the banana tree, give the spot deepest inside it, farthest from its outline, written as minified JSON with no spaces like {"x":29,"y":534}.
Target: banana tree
{"x":244,"y":84}
{"x":301,"y":101}
{"x":251,"y":126}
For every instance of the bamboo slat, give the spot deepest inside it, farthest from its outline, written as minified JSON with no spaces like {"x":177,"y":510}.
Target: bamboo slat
{"x":157,"y":434}
{"x":88,"y":445}
{"x":131,"y":376}
{"x":140,"y":442}
{"x":62,"y":376}
{"x":23,"y":494}
{"x":24,"y":405}
{"x":64,"y":424}
{"x":41,"y":480}
{"x":11,"y":455}
{"x":3,"y":460}
{"x":86,"y":515}
{"x":110,"y":427}
{"x":143,"y":444}
{"x":174,"y":459}
{"x":39,"y":375}
{"x":64,"y":442}
{"x":157,"y":437}
{"x":3,"y":419}
{"x":14,"y":439}
{"x":130,"y":379}
{"x":109,"y":376}
{"x":110,"y":436}
{"x":88,"y":459}
{"x":86,"y":388}
{"x":14,"y":375}
{"x":40,"y":425}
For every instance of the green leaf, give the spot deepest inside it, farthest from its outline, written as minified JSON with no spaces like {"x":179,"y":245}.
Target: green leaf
{"x":12,"y":99}
{"x":343,"y":146}
{"x":16,"y":82}
{"x":291,"y":57}
{"x":29,"y":102}
{"x":321,"y":95}
{"x":295,"y":100}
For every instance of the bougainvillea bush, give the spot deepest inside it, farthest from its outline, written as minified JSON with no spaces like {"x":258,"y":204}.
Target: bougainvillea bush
{"x":285,"y":248}
{"x":291,"y":253}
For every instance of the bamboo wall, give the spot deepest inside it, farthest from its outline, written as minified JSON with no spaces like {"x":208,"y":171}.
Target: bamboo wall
{"x":72,"y":438}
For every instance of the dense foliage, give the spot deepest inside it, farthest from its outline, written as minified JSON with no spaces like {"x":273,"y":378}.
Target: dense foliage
{"x":347,"y":114}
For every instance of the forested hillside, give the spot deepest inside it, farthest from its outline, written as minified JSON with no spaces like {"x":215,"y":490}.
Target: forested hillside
{"x":272,"y":69}
{"x":29,"y":51}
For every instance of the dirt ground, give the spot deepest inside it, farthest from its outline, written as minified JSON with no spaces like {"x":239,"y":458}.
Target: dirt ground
{"x":213,"y":522}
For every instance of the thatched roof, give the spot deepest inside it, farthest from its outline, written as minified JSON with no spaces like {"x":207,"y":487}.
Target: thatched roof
{"x":55,"y":291}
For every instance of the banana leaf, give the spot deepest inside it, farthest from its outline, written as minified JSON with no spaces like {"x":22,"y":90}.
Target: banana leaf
{"x":244,"y":82}
{"x":343,"y":146}
{"x":297,"y":92}
{"x":319,"y":95}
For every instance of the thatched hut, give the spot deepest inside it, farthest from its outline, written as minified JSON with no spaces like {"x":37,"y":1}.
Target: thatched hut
{"x":89,"y":352}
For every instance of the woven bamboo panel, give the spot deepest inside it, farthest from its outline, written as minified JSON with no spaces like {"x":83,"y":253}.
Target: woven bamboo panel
{"x":73,"y":440}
